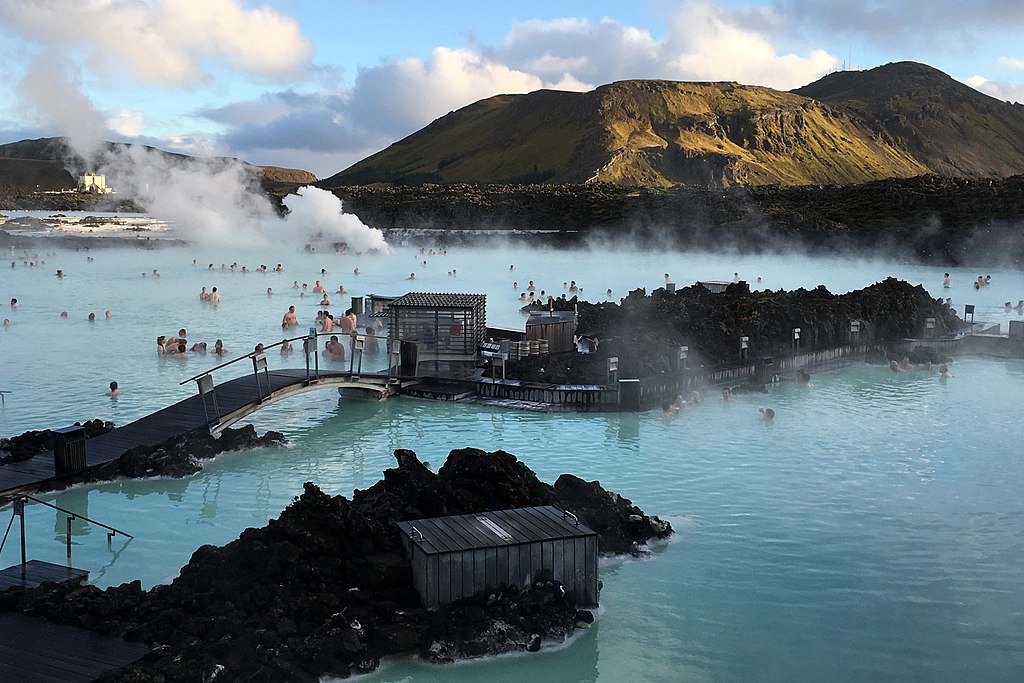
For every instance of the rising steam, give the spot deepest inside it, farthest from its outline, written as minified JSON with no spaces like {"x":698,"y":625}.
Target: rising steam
{"x":319,"y":211}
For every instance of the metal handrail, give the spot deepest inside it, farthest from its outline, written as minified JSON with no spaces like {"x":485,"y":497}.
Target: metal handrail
{"x":75,"y":515}
{"x":267,"y":347}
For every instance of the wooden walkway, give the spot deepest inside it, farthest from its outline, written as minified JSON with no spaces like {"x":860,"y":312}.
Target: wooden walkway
{"x":38,"y":572}
{"x":36,"y":650}
{"x":236,"y":398}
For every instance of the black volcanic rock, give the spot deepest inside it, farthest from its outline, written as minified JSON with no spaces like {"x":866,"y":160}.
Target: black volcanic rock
{"x":644,"y":330}
{"x":324,"y":588}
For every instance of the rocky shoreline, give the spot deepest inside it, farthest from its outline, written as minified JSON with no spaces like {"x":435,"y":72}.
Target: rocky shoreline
{"x":951,"y":221}
{"x":324,"y":589}
{"x":645,"y":330}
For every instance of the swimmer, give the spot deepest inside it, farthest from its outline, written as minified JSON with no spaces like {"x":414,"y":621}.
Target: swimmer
{"x":905,"y":365}
{"x":14,"y":303}
{"x":214,"y":296}
{"x":371,"y":346}
{"x":319,"y":288}
{"x":349,"y":322}
{"x":1008,"y":307}
{"x":218,"y":348}
{"x":7,"y":322}
{"x":279,"y":269}
{"x":355,"y":271}
{"x":270,"y":291}
{"x":161,"y":341}
{"x":198,"y":347}
{"x":323,"y":271}
{"x":114,"y":391}
{"x":209,"y":267}
{"x":412,"y":276}
{"x":515,"y":284}
{"x":735,"y":277}
{"x":107,"y":314}
{"x":522,"y":296}
{"x":203,"y":294}
{"x":927,"y":367}
{"x":608,"y":292}
{"x":194,"y":262}
{"x":286,"y":347}
{"x":155,"y":273}
{"x":295,"y":284}
{"x":894,"y":366}
{"x":290,"y":319}
{"x":695,"y":397}
{"x":341,"y":290}
{"x":668,"y":279}
{"x":803,"y":378}
{"x":325,"y":301}
{"x":666,"y":409}
{"x":1019,"y":307}
{"x":259,"y":348}
{"x":512,"y":267}
{"x":92,"y":317}
{"x":678,"y":403}
{"x":945,"y":281}
{"x":944,"y":372}
{"x":531,"y":287}
{"x":60,"y":273}
{"x":767,"y":414}
{"x":327,"y":321}
{"x":726,"y":394}
{"x":63,"y":314}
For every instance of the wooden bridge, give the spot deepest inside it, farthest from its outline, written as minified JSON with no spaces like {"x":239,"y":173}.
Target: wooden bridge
{"x":215,"y":407}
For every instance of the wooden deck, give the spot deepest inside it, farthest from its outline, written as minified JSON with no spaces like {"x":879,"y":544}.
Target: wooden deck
{"x":236,"y":398}
{"x":36,"y":650}
{"x":38,"y":572}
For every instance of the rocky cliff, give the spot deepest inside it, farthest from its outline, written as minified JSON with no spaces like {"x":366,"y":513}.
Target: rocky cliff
{"x":896,"y":121}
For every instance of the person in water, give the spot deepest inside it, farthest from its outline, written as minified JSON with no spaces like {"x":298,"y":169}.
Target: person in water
{"x":214,"y":296}
{"x":945,"y":281}
{"x":286,"y":347}
{"x":767,"y":414}
{"x":218,"y":348}
{"x":114,"y":391}
{"x":290,"y":319}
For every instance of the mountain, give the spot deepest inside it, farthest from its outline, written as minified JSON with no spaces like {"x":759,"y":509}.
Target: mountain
{"x":949,"y":127}
{"x":895,"y":121}
{"x":52,"y":164}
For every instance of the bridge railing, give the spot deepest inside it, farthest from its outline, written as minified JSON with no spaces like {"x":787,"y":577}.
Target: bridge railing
{"x":258,"y":357}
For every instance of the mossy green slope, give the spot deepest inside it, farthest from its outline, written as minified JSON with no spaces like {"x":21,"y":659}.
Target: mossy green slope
{"x":662,"y":133}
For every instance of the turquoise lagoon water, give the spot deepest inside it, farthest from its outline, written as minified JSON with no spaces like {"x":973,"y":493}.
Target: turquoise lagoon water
{"x":874,"y":531}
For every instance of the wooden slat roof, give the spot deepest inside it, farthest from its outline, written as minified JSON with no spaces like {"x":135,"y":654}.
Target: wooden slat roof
{"x":438,"y":300}
{"x":491,"y":529}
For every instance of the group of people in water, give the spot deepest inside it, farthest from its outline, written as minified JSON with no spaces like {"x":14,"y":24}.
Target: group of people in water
{"x":904,"y":365}
{"x":177,"y":346}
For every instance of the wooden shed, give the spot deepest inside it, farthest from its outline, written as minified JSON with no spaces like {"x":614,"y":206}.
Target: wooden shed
{"x":444,"y":327}
{"x":465,"y":555}
{"x":557,"y":327}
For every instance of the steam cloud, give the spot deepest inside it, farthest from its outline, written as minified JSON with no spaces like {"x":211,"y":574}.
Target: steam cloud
{"x":320,"y":210}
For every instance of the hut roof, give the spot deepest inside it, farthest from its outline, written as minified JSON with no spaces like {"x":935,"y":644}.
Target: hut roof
{"x":437,"y":300}
{"x":496,"y":528}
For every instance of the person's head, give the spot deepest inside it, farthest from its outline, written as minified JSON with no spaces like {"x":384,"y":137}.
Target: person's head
{"x":946,"y":275}
{"x":893,"y":365}
{"x":944,"y":369}
{"x":270,"y":290}
{"x":92,"y":316}
{"x":14,"y":302}
{"x":7,"y":322}
{"x":218,"y":344}
{"x":113,"y":386}
{"x":214,"y":290}
{"x":63,"y":314}
{"x":291,"y":309}
{"x":349,"y":312}
{"x":182,"y":347}
{"x":161,"y":340}
{"x":768,"y":413}
{"x":258,"y":348}
{"x":182,"y":333}
{"x":725,"y":392}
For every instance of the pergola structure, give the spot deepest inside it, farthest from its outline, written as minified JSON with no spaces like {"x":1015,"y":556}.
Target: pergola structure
{"x":446,"y":328}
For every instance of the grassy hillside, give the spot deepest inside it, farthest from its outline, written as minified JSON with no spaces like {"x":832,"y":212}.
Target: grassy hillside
{"x":896,"y":121}
{"x":52,"y":164}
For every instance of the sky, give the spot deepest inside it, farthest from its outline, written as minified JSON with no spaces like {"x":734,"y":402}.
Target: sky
{"x":321,"y":84}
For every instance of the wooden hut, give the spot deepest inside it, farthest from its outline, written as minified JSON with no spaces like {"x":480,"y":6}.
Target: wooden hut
{"x":556,"y":327}
{"x":446,"y":328}
{"x":465,"y":555}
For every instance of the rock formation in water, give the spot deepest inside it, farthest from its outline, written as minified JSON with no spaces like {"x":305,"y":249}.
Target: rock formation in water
{"x":644,"y":330}
{"x":324,"y":589}
{"x":34,"y":442}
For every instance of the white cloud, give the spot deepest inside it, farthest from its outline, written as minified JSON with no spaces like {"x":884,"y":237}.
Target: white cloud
{"x":1008,"y":92}
{"x":164,"y":42}
{"x":126,"y":122}
{"x":1011,"y":63}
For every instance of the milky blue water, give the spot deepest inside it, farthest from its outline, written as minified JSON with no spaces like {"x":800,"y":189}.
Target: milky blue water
{"x":874,"y":531}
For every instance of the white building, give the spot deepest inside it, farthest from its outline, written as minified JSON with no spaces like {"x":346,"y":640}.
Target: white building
{"x":94,"y":184}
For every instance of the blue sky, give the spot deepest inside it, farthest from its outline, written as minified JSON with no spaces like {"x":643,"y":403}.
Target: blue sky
{"x":320,"y":84}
